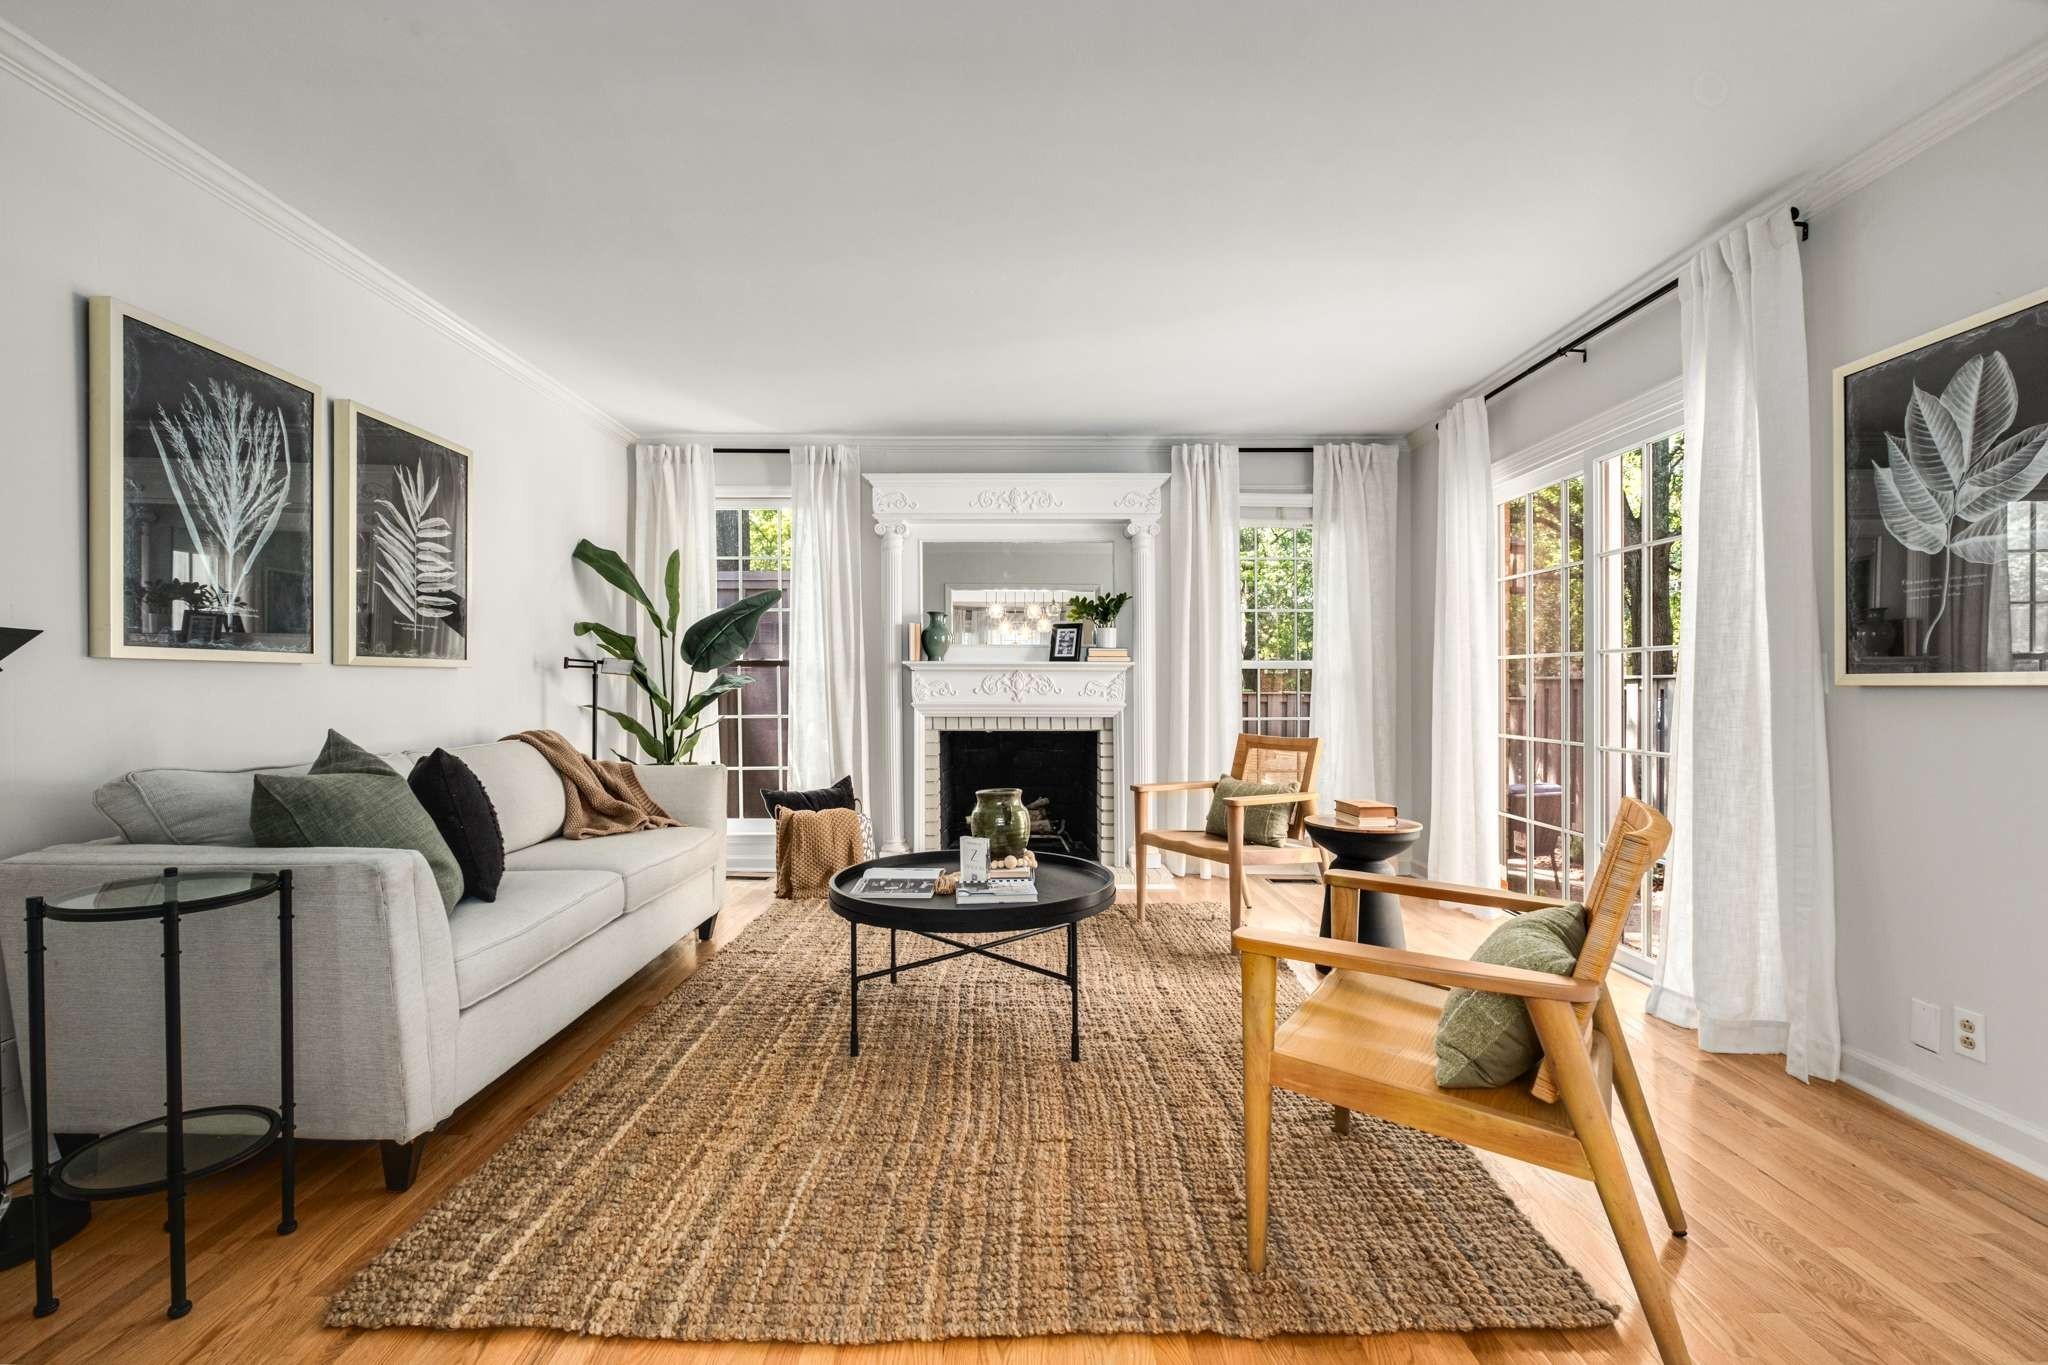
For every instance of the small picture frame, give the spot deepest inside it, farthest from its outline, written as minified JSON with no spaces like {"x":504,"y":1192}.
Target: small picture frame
{"x":1066,"y":642}
{"x":973,"y":860}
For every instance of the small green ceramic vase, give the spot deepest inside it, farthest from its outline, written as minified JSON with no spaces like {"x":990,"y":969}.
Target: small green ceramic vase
{"x":999,"y":817}
{"x":938,"y":635}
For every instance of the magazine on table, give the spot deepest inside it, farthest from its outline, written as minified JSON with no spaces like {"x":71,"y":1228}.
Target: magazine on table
{"x":998,"y":890}
{"x":899,"y":883}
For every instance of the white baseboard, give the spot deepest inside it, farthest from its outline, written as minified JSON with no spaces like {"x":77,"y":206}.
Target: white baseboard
{"x":1987,"y":1128}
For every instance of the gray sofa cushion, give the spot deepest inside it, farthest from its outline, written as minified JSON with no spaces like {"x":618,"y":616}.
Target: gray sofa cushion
{"x":194,"y":805}
{"x":524,"y":789}
{"x":651,"y":861}
{"x":537,"y":917}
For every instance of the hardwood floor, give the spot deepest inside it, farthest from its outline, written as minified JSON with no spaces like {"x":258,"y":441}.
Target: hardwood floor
{"x":1824,"y":1227}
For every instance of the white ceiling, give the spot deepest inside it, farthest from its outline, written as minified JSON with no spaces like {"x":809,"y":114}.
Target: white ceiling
{"x":1048,"y":216}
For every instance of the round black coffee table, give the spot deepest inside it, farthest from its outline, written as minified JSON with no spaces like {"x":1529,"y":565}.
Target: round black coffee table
{"x":1069,"y":891}
{"x":1366,"y":848}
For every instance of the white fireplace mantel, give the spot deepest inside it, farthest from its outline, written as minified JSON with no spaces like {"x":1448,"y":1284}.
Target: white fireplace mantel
{"x":998,"y":688}
{"x":911,"y":510}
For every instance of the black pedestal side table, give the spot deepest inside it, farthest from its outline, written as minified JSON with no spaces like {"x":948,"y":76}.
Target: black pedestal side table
{"x":1366,"y":848}
{"x":163,"y":1154}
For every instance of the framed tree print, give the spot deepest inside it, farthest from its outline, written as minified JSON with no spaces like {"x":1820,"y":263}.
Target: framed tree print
{"x":1941,"y":506}
{"x":401,"y":545}
{"x":208,"y":492}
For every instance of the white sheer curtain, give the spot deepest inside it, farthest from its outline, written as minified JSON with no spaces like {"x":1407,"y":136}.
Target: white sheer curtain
{"x":1749,"y":957}
{"x":1200,"y":710}
{"x":828,"y":690}
{"x":1352,"y":702}
{"x":1465,"y":784}
{"x":675,"y":507}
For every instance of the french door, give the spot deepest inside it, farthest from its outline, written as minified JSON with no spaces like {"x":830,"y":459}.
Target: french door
{"x":1591,"y":573}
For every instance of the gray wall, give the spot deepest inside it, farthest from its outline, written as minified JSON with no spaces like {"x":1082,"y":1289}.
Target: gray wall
{"x":1938,"y":802}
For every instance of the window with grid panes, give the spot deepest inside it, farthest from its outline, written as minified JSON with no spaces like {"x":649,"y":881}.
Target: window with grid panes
{"x":2026,"y":570}
{"x":753,"y":722}
{"x":1590,"y":574}
{"x":1276,"y":586}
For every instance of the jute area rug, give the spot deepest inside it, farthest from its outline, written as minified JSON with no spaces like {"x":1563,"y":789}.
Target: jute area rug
{"x":726,"y":1173}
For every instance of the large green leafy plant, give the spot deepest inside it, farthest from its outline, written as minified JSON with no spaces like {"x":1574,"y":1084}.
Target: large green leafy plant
{"x":680,"y":710}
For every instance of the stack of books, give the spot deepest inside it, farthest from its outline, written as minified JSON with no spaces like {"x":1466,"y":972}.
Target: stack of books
{"x":1003,"y":888}
{"x":899,"y":884}
{"x":1358,"y":811}
{"x":1102,"y":654}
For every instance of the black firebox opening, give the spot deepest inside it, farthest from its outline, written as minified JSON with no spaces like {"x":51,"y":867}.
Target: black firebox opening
{"x":1056,"y":769}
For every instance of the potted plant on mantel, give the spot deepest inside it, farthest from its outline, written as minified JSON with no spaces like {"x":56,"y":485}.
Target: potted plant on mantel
{"x":679,"y":709}
{"x":1102,"y":612}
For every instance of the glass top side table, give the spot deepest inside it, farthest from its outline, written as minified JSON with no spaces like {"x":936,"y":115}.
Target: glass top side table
{"x":167,"y":1152}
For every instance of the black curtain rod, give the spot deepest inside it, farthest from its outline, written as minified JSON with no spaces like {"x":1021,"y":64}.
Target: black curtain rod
{"x":750,"y":450}
{"x":1276,"y":450}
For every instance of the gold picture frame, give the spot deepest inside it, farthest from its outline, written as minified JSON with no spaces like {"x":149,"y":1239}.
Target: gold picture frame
{"x":403,"y":543}
{"x":206,"y":472}
{"x":1876,"y":571}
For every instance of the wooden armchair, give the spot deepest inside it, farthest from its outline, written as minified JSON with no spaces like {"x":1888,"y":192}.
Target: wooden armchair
{"x":1365,"y":1040}
{"x":1259,"y":758}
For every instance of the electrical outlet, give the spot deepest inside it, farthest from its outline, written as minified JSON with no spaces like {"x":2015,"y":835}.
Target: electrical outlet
{"x":1970,"y":1040}
{"x":1926,"y":1026}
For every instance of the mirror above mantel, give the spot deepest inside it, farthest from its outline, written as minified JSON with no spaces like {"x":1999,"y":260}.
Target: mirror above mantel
{"x":1003,"y":597}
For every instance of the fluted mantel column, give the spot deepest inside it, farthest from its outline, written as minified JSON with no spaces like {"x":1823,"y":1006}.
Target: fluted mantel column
{"x":889,"y":804}
{"x":1144,"y":536}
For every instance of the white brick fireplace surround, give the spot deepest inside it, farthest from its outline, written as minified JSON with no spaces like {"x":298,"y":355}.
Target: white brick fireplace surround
{"x":1113,"y":699}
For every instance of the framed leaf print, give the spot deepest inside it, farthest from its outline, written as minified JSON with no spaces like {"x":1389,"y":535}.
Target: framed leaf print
{"x":1941,"y":506}
{"x":208,"y":493}
{"x":402,"y":542}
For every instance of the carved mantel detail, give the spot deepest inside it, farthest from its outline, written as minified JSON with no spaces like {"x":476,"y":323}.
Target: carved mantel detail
{"x":1017,"y":684}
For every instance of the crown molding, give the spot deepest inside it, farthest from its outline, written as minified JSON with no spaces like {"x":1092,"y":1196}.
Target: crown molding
{"x":91,"y":99}
{"x":1015,"y":444}
{"x":1813,"y":194}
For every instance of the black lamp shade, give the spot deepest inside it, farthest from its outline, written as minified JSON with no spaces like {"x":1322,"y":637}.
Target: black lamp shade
{"x":13,"y":638}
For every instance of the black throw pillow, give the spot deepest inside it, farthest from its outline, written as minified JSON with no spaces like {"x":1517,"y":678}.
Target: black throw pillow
{"x":462,"y":811}
{"x":838,"y":796}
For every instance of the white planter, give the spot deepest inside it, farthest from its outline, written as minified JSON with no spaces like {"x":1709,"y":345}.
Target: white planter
{"x":1105,"y":636}
{"x":693,"y":793}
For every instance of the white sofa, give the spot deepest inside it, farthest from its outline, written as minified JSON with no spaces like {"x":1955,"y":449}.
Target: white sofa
{"x":403,"y":1010}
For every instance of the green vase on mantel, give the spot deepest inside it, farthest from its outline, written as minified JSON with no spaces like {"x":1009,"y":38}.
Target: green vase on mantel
{"x":938,"y":635}
{"x":999,"y":817}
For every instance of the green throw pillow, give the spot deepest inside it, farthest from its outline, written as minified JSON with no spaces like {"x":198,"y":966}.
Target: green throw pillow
{"x":1262,"y":824}
{"x":1485,"y":1039}
{"x":350,"y":798}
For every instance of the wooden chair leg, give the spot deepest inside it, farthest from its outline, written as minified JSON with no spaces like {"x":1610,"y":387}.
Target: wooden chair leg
{"x":1637,"y":1107}
{"x":1238,"y":900}
{"x":1138,"y":873}
{"x":1260,"y":973}
{"x":1340,"y":1120}
{"x":1558,"y":1026}
{"x":1141,"y":816}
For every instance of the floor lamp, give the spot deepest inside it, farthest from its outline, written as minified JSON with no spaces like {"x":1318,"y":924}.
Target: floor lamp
{"x":17,"y":1216}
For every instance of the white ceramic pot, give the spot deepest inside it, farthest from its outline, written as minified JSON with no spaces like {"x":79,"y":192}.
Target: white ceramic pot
{"x":1105,"y":636}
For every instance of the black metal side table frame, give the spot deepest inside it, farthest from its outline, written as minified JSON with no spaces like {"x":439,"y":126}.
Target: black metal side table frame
{"x":280,"y":1130}
{"x":1071,"y":977}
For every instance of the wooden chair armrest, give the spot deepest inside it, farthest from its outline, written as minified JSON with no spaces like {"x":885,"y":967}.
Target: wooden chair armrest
{"x":1148,"y":788}
{"x":1422,"y":889}
{"x":1449,"y":972}
{"x":1270,"y":799}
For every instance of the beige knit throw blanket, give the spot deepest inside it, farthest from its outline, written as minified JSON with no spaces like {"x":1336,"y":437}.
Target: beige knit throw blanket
{"x":602,"y":797}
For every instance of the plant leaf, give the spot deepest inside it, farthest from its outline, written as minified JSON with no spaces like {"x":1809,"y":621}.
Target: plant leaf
{"x":1921,"y":505}
{"x":1983,"y":398}
{"x":632,"y":726}
{"x":1983,"y":541}
{"x":675,"y":588}
{"x":615,"y":571}
{"x":1907,"y":529}
{"x":2008,"y":472}
{"x":616,"y":643}
{"x":711,"y":692}
{"x":721,"y":637}
{"x":1935,"y":447}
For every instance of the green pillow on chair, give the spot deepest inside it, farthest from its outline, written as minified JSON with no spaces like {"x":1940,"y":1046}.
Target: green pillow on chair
{"x":1485,"y":1039}
{"x":350,"y":798}
{"x":1262,"y":824}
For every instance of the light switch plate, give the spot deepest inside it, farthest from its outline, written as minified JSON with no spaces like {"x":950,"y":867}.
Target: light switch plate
{"x":1927,"y":1025}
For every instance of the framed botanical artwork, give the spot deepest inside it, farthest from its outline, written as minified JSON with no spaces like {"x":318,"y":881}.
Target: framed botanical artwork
{"x":208,"y":492}
{"x":1066,"y":642}
{"x":401,"y":543}
{"x":1941,"y":506}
